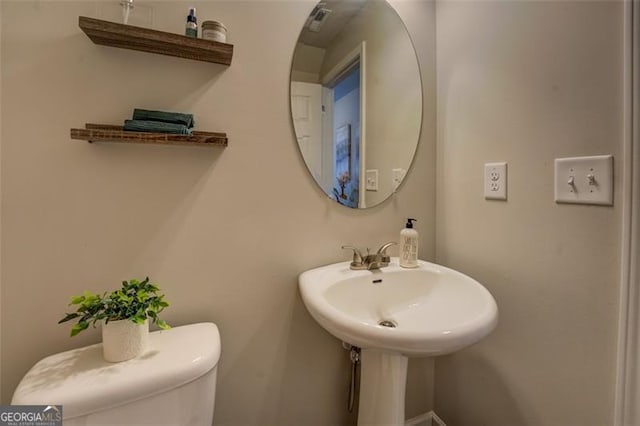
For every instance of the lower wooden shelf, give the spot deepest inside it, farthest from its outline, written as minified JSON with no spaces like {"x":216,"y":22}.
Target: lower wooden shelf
{"x":113,"y":133}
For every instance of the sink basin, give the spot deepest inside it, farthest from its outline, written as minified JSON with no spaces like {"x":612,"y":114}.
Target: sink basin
{"x":425,"y":311}
{"x":391,"y":314}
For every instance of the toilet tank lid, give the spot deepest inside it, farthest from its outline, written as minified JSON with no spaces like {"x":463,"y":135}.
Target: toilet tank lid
{"x":83,"y":382}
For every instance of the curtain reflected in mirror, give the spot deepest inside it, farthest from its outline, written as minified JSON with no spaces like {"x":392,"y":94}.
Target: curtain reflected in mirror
{"x":356,"y":100}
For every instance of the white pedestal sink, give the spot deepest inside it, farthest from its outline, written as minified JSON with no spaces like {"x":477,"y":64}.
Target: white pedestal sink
{"x":393,"y":313}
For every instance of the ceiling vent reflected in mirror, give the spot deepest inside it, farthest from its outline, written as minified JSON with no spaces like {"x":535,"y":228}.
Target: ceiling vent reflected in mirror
{"x":317,"y":17}
{"x":333,"y":16}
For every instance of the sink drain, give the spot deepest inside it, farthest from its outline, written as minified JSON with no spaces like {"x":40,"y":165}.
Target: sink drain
{"x":386,"y":323}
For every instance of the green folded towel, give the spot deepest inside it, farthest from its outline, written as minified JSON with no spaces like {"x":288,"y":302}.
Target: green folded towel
{"x":155,"y":127}
{"x":165,"y":117}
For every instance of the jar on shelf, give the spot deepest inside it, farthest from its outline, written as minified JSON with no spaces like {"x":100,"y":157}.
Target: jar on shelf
{"x":214,"y":31}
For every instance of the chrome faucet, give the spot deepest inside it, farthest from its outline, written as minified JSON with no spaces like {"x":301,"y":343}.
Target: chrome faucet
{"x":371,"y":261}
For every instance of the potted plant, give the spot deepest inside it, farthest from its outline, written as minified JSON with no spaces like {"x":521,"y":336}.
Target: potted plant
{"x":124,"y":314}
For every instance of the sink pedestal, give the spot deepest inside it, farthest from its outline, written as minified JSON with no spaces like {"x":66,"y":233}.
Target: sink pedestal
{"x":383,"y":380}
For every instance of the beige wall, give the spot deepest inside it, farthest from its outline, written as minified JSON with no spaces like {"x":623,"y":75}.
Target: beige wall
{"x":520,"y":82}
{"x":527,"y":82}
{"x":225,"y":232}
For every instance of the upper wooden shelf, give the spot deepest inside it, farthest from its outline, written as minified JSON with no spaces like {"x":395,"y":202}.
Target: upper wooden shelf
{"x":111,"y":133}
{"x":146,"y":40}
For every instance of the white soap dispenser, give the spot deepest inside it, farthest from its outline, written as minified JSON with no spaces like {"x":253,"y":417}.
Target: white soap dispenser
{"x":409,"y":245}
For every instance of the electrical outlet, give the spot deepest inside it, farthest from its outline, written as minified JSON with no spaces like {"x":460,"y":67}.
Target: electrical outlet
{"x":495,"y":181}
{"x":371,"y":177}
{"x":397,"y":176}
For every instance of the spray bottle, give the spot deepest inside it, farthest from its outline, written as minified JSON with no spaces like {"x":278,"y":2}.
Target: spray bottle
{"x":191,"y":29}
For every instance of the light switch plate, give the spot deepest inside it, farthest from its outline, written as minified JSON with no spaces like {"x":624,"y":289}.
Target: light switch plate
{"x":584,"y":180}
{"x":495,"y":181}
{"x":371,"y":180}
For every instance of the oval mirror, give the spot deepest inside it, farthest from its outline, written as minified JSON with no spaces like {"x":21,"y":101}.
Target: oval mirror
{"x":356,"y":100}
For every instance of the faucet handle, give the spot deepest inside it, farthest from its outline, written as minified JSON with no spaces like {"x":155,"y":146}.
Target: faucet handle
{"x":357,"y":256}
{"x":383,"y":250}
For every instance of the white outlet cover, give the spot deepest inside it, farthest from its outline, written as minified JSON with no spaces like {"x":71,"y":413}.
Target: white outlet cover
{"x":397,"y":176}
{"x":495,"y":181}
{"x":371,"y":177}
{"x":584,"y":180}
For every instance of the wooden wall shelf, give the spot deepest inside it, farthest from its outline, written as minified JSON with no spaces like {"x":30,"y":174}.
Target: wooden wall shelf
{"x":111,"y":133}
{"x":147,"y":40}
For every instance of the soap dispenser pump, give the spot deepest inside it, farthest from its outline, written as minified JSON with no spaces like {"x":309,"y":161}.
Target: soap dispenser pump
{"x":409,"y":245}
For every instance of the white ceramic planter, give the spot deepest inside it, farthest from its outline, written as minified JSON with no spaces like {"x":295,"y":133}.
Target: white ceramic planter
{"x":124,"y":339}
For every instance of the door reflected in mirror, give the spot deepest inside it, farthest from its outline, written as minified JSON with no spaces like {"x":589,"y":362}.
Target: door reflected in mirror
{"x":356,"y":100}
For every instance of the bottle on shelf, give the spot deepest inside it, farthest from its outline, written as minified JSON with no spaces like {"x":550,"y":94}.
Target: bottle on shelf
{"x":191,"y":29}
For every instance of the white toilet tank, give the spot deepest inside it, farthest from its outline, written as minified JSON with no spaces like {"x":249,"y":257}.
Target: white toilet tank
{"x":173,"y":383}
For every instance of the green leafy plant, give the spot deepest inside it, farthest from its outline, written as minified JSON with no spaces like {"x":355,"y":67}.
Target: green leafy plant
{"x":135,"y":301}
